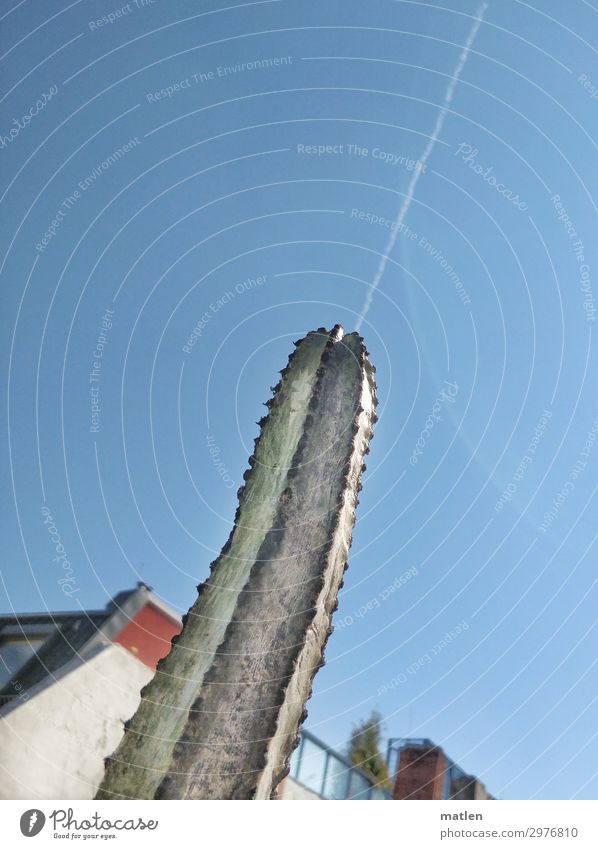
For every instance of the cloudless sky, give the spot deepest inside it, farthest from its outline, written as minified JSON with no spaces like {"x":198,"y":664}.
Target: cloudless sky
{"x":241,"y":202}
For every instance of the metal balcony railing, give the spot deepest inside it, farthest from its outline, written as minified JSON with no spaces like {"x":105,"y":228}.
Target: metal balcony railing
{"x":329,"y":774}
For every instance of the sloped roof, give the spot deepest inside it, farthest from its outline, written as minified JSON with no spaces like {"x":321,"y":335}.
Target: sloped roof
{"x":70,"y":634}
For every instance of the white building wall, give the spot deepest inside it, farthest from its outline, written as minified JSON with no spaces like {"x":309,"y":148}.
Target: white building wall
{"x":291,"y":789}
{"x":54,"y":737}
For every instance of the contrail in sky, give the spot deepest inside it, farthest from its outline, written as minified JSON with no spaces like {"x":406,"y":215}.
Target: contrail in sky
{"x":423,"y":159}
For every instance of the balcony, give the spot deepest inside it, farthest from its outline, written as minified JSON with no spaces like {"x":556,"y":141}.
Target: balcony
{"x":330,"y":775}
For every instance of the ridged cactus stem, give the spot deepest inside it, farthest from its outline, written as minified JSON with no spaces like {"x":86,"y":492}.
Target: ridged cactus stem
{"x":221,"y":717}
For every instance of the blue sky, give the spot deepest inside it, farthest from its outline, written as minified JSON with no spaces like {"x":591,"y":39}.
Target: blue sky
{"x":238,"y":168}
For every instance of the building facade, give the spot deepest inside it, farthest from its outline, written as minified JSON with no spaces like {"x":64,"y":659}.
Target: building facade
{"x":68,"y":682}
{"x":422,"y":770}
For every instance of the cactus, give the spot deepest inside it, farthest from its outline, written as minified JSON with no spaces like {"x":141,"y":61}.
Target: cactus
{"x":222,"y":715}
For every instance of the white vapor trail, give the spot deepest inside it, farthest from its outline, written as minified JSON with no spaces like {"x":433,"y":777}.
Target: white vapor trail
{"x":423,"y":159}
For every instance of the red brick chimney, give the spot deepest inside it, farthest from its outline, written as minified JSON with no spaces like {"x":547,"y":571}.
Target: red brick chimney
{"x":421,"y":773}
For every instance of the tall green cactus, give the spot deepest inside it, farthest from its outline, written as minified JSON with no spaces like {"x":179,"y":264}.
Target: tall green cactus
{"x":221,"y":716}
